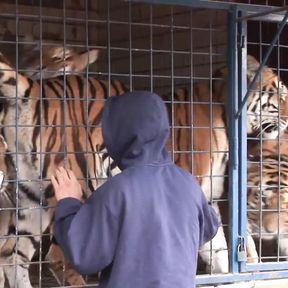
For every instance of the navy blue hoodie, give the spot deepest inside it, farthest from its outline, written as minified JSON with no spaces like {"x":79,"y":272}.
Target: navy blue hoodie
{"x":143,"y":227}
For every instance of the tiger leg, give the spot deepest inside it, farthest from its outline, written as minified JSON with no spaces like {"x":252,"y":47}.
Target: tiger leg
{"x":271,"y":222}
{"x":18,"y":251}
{"x":283,"y":245}
{"x":283,"y":241}
{"x":2,"y":277}
{"x":18,"y":257}
{"x":215,"y":252}
{"x":252,"y":254}
{"x":61,"y":269}
{"x":6,"y":219}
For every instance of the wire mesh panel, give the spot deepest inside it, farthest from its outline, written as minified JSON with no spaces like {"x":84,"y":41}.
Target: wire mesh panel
{"x":267,"y":151}
{"x":59,"y":61}
{"x":255,"y":2}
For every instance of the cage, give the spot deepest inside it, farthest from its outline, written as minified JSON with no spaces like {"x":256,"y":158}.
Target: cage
{"x":191,"y":53}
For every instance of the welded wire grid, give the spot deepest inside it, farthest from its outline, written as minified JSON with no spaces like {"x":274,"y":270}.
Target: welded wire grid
{"x":277,"y":3}
{"x":146,"y":47}
{"x":268,"y":156}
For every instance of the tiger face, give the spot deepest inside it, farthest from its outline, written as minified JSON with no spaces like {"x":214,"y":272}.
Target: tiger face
{"x":45,"y":59}
{"x":55,"y":61}
{"x":69,"y":112}
{"x":267,"y":108}
{"x":267,"y":103}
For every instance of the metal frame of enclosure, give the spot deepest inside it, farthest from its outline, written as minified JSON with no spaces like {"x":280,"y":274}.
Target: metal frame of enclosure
{"x":156,"y":51}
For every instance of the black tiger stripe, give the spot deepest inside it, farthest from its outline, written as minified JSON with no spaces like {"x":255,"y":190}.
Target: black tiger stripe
{"x":113,"y":165}
{"x":104,"y":88}
{"x":105,"y":156}
{"x":274,"y":84}
{"x":53,"y":136}
{"x":115,"y":87}
{"x":90,"y":185}
{"x":69,"y":88}
{"x":36,"y":130}
{"x":50,"y":143}
{"x":30,"y":194}
{"x":92,"y":92}
{"x":94,"y":160}
{"x":21,"y":215}
{"x":82,"y":93}
{"x":80,"y":157}
{"x":96,"y":121}
{"x":45,"y":104}
{"x":51,"y":85}
{"x":80,"y":85}
{"x":28,"y":90}
{"x":49,"y":192}
{"x":11,"y":229}
{"x":11,"y":81}
{"x":72,"y":113}
{"x":60,"y":84}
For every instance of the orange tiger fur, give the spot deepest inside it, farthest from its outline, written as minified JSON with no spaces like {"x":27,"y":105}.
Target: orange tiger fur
{"x":200,"y":144}
{"x":55,"y":126}
{"x":267,"y":198}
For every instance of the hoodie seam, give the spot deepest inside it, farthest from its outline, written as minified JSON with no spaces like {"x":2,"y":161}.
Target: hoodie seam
{"x":151,"y":164}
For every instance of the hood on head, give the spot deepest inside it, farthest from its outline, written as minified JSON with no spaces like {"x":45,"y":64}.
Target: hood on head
{"x":135,"y":128}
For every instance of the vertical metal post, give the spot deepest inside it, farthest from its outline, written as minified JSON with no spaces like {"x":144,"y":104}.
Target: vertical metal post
{"x":42,"y":153}
{"x":17,"y":144}
{"x":242,"y":131}
{"x":233,"y":139}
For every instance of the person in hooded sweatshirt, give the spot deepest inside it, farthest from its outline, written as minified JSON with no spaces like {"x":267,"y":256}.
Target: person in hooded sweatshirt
{"x":143,"y":227}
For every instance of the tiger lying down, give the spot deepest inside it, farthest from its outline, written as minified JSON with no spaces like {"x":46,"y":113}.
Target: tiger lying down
{"x":57,"y":126}
{"x":267,"y":198}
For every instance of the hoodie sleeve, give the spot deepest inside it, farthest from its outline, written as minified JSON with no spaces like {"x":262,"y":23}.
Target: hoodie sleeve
{"x":208,"y":220}
{"x":87,"y":233}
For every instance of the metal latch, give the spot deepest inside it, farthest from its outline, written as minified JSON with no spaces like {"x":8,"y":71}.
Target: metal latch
{"x":241,"y":250}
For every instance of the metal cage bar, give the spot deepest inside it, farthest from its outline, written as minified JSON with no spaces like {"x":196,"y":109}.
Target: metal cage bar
{"x":234,"y":142}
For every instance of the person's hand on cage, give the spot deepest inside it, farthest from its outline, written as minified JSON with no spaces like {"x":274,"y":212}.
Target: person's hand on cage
{"x":66,"y":185}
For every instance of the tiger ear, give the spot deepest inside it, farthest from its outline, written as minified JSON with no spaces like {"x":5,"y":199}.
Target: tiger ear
{"x":252,"y":67}
{"x":79,"y":62}
{"x":58,"y":53}
{"x":90,"y":57}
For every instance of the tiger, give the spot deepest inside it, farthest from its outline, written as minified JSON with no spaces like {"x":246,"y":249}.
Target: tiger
{"x":268,"y":191}
{"x":49,"y":135}
{"x":7,"y":200}
{"x":200,"y":144}
{"x":26,"y":161}
{"x":266,"y":113}
{"x":264,"y":105}
{"x":48,"y":59}
{"x":55,"y":61}
{"x":266,"y":101}
{"x":7,"y":220}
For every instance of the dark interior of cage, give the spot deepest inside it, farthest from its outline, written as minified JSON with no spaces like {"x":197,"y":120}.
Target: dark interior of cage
{"x":156,"y":48}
